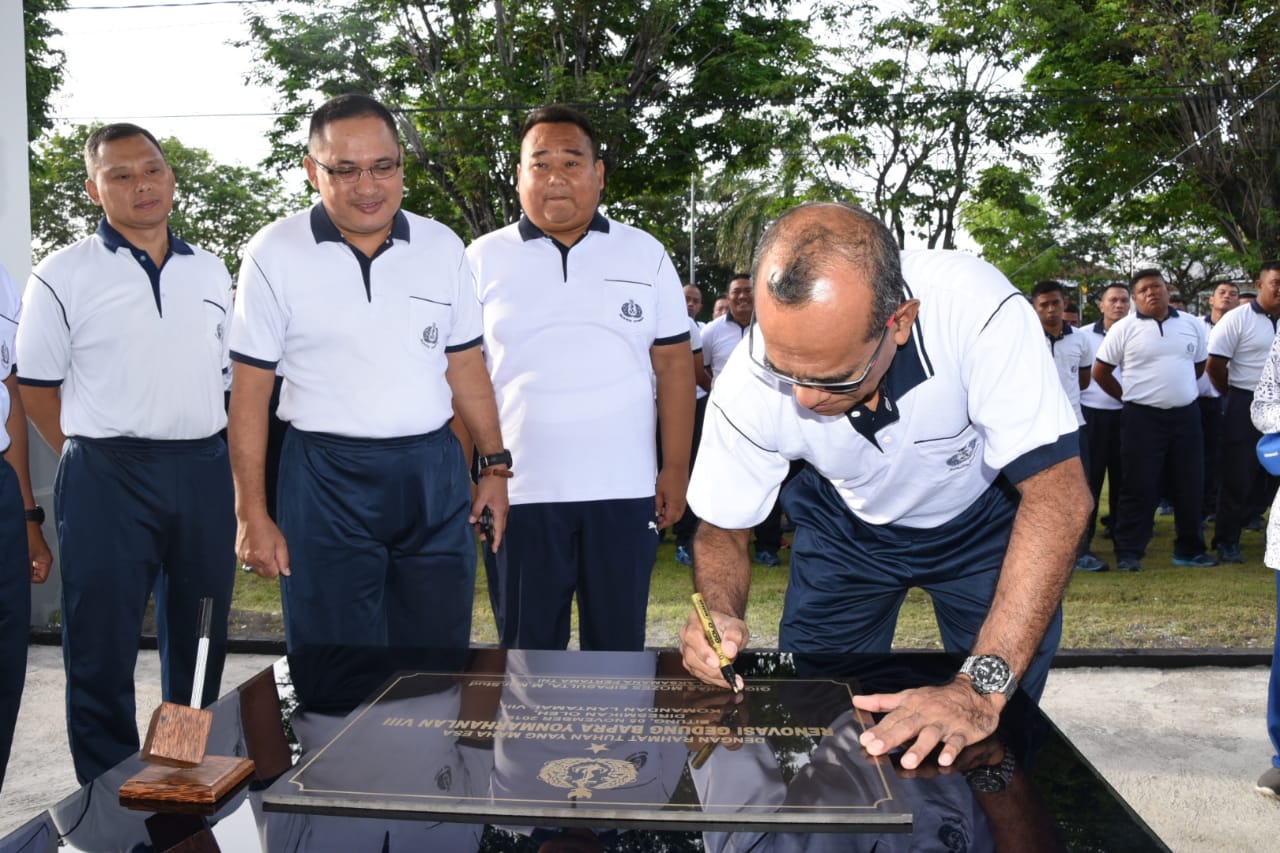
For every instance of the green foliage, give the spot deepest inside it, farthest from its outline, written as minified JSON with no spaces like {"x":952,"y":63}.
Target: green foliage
{"x":1009,"y":220}
{"x":44,"y":63}
{"x":217,"y":207}
{"x":670,"y":86}
{"x":1165,"y":111}
{"x":924,"y":108}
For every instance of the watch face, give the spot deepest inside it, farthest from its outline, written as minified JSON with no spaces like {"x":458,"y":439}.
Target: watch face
{"x":987,"y":780}
{"x":989,"y":673}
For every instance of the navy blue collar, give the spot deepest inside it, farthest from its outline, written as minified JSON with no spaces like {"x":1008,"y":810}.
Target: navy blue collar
{"x":1066,"y":330}
{"x":324,"y":231}
{"x":1257,"y":309}
{"x":114,"y":240}
{"x":1173,"y":312}
{"x":529,"y":231}
{"x":1099,"y":329}
{"x":909,"y":367}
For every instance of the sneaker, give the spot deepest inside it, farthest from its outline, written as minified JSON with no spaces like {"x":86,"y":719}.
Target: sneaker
{"x":768,"y":558}
{"x":1254,"y":525}
{"x":1127,"y":564}
{"x":1269,"y":783}
{"x":1166,"y":508}
{"x":683,"y":557}
{"x":1200,"y":561}
{"x":1089,"y":562}
{"x":1230,"y":554}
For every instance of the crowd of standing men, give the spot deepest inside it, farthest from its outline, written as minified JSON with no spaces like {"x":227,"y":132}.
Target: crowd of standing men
{"x":1163,"y":401}
{"x":433,"y":390}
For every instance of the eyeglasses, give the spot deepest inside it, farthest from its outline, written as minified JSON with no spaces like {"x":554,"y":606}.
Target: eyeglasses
{"x":351,"y":174}
{"x":762,"y":361}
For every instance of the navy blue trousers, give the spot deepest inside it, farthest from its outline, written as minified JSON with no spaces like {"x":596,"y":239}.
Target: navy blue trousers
{"x":849,"y":578}
{"x":380,"y":551}
{"x":1211,"y":428}
{"x":137,"y":517}
{"x":1242,"y":480}
{"x":1102,"y":426}
{"x":1160,"y":446}
{"x":15,"y":608}
{"x":602,"y":551}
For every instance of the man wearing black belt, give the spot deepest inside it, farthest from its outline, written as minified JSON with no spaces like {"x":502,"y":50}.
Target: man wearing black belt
{"x":1162,"y":352}
{"x":122,"y":365}
{"x":1238,"y":347}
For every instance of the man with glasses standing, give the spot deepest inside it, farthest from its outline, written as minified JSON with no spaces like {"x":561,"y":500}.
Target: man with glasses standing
{"x":371,"y":316}
{"x":941,"y":453}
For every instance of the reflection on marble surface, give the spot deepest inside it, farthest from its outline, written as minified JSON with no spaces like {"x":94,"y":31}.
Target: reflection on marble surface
{"x":790,"y":748}
{"x":549,"y":738}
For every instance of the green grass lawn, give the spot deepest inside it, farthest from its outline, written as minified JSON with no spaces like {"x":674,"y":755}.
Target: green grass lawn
{"x":1164,"y":606}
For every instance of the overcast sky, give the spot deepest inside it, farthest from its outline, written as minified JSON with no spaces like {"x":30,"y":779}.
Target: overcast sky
{"x":167,"y":67}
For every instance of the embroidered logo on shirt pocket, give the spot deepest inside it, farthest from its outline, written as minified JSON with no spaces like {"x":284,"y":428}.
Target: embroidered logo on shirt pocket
{"x":427,"y":320}
{"x":952,"y":453}
{"x":216,"y":318}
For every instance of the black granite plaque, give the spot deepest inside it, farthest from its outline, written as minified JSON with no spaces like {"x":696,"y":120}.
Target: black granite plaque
{"x":565,"y":739}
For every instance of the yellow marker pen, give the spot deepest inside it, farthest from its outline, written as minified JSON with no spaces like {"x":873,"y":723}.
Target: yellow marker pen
{"x":713,"y":637}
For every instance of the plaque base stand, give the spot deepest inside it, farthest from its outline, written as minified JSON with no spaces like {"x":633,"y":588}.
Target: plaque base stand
{"x":177,"y":735}
{"x":192,"y":790}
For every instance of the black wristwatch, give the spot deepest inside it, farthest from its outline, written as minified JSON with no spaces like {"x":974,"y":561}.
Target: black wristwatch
{"x":35,"y":514}
{"x":993,"y":778}
{"x":990,"y":674}
{"x":502,"y":457}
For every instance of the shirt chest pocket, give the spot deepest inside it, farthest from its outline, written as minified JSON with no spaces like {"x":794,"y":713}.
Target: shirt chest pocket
{"x":428,"y":326}
{"x":948,"y":455}
{"x":215,"y":321}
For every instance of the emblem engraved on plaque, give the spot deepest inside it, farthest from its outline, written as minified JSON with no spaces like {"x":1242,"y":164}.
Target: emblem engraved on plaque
{"x":582,"y":775}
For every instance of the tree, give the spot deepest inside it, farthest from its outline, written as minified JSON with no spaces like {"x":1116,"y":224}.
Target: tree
{"x":1017,"y":232}
{"x":1164,"y":109}
{"x":671,"y":86}
{"x":924,"y":109}
{"x":217,"y":207}
{"x":744,"y":205}
{"x":44,"y":63}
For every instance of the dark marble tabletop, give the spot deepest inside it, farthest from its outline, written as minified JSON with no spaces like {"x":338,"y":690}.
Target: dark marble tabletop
{"x":468,"y":750}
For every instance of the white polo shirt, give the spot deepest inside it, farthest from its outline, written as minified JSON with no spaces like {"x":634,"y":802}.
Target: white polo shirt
{"x":1071,"y":353}
{"x":568,"y":333}
{"x":10,"y":313}
{"x":138,"y":351}
{"x":1243,"y":336}
{"x":1094,"y":397}
{"x":1204,"y":384}
{"x":695,"y":344}
{"x":361,"y":343}
{"x":720,"y":338}
{"x":1158,"y":357}
{"x":971,"y":394}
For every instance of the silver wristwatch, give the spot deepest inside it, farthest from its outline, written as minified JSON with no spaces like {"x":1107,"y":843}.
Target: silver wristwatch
{"x":990,"y":674}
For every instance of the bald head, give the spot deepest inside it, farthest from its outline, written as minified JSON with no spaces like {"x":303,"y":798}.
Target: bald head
{"x":808,"y":242}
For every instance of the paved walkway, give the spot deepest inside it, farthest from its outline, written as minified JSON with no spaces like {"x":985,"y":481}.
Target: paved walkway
{"x":1183,"y":746}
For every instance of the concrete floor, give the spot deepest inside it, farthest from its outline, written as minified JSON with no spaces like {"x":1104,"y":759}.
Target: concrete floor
{"x":1182,"y":746}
